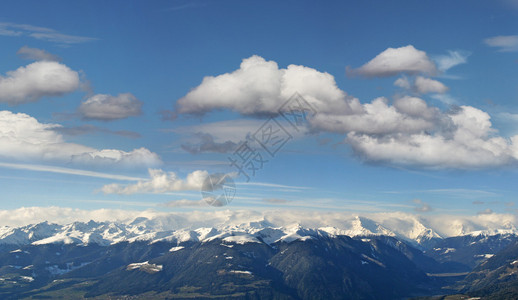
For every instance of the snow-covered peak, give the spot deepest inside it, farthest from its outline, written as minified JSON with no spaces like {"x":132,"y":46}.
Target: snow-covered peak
{"x":363,"y":226}
{"x":243,"y":227}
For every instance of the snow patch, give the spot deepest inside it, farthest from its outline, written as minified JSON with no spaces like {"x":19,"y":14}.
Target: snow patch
{"x":27,"y":278}
{"x":240,"y":272}
{"x":174,"y":249}
{"x":145,"y":266}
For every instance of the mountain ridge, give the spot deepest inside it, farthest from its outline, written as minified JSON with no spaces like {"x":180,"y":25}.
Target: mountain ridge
{"x":173,"y":228}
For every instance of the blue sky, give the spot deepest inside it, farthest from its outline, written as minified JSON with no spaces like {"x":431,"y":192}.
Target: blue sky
{"x":417,"y":103}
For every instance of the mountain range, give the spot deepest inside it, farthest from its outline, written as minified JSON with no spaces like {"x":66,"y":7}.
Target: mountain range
{"x":262,"y":256}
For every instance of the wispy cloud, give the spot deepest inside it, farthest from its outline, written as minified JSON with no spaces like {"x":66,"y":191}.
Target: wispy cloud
{"x":115,"y":202}
{"x":273,"y":185}
{"x":456,"y":193}
{"x":486,"y":211}
{"x":508,"y":116}
{"x":42,"y":33}
{"x":275,"y":201}
{"x":452,"y":59}
{"x":36,"y":54}
{"x":69,"y":171}
{"x":422,"y":206}
{"x":464,"y":193}
{"x":92,"y":129}
{"x":445,"y":98}
{"x":504,"y":43}
{"x":185,"y":203}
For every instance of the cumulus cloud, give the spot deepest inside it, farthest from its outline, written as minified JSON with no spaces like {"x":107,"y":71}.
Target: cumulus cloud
{"x":421,"y":206}
{"x":394,"y":61}
{"x":36,"y":54}
{"x":407,"y":131}
{"x":426,"y":85}
{"x":408,"y":115}
{"x":469,"y":143}
{"x":403,"y":82}
{"x":260,"y":87}
{"x":504,"y":43}
{"x":160,"y":182}
{"x":452,"y":59}
{"x":422,"y":85}
{"x":108,"y":108}
{"x":22,"y":137}
{"x":37,"y":80}
{"x":207,"y":144}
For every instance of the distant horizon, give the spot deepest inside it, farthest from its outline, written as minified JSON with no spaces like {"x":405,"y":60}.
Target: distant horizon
{"x":404,"y":225}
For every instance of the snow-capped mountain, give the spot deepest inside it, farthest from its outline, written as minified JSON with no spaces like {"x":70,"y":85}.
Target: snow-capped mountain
{"x":165,"y":253}
{"x":241,"y":227}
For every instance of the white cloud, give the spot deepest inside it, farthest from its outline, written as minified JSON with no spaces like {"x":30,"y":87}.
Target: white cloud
{"x":136,"y":157}
{"x":403,"y":82}
{"x":505,"y":43}
{"x":421,"y":85}
{"x":406,"y":132}
{"x":468,"y":144}
{"x":394,"y":61}
{"x":108,"y":108}
{"x":452,"y":59}
{"x":377,"y":117}
{"x":22,"y":137}
{"x":37,"y":80}
{"x":261,"y":87}
{"x":426,"y":85}
{"x":36,"y":54}
{"x":416,"y":107}
{"x":160,"y":182}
